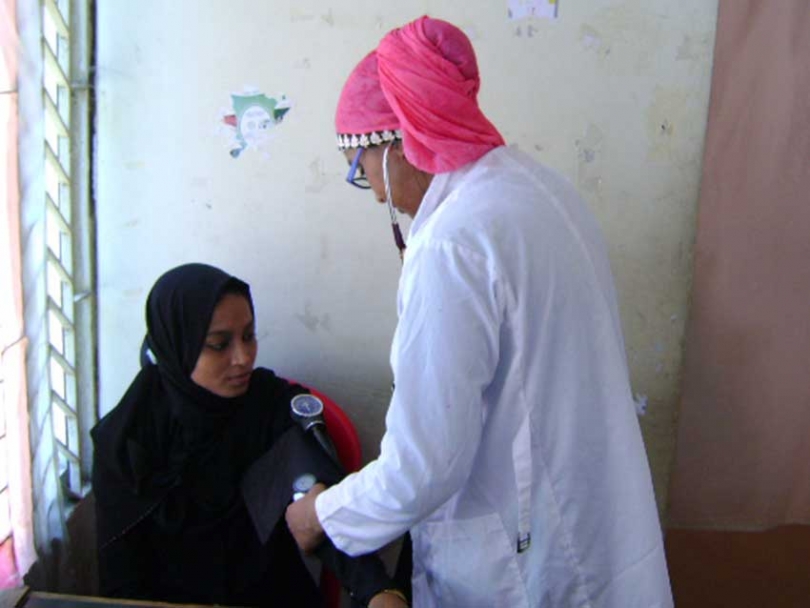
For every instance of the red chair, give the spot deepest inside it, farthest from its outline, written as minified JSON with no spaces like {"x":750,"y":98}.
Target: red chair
{"x":347,"y":444}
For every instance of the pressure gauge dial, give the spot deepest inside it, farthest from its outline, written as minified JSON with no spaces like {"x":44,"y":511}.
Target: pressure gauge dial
{"x":306,"y":406}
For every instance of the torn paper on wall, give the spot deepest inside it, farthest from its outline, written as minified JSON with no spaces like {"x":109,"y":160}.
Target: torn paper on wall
{"x":524,"y":9}
{"x":251,"y":120}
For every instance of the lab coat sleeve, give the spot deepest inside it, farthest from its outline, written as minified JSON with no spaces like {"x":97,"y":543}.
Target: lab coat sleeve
{"x":444,"y":356}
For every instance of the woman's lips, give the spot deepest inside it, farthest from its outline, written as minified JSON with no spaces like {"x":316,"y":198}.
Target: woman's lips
{"x":239,"y":379}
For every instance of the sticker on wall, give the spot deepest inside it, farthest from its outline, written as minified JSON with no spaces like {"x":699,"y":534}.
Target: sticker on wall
{"x":524,"y":9}
{"x":251,"y":120}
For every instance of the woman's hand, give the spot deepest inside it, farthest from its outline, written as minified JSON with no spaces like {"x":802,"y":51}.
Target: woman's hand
{"x":302,"y":520}
{"x":386,"y":599}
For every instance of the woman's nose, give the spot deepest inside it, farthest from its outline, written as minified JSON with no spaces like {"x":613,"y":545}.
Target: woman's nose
{"x":240,"y":354}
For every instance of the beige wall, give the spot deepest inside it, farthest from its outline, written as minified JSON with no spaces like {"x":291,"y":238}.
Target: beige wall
{"x":612,"y":94}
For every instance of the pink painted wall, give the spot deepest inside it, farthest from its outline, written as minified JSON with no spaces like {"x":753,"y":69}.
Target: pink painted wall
{"x":743,"y":450}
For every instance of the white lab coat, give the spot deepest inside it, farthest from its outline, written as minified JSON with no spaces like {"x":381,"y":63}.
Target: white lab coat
{"x":512,"y":412}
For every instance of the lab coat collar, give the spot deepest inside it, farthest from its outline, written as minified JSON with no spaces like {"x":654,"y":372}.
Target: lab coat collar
{"x":440,"y":188}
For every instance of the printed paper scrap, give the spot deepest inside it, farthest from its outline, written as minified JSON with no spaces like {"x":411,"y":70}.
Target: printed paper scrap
{"x":251,"y":120}
{"x":523,"y":9}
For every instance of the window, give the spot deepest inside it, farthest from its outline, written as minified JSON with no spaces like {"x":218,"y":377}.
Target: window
{"x":59,"y":239}
{"x":68,"y":228}
{"x":58,"y":267}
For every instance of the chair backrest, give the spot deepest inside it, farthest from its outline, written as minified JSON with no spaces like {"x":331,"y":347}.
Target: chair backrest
{"x":347,"y":443}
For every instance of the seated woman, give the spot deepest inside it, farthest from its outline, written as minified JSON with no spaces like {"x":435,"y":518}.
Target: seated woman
{"x":169,"y":458}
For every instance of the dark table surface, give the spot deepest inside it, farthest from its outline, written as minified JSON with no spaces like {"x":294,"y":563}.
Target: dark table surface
{"x":23,"y":597}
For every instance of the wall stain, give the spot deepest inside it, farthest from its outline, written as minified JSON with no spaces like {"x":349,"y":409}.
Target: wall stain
{"x":297,"y":15}
{"x":530,"y":31}
{"x":693,"y":48}
{"x":207,"y":203}
{"x":589,"y":161}
{"x":318,"y":176}
{"x":592,"y":40}
{"x":666,"y":115}
{"x":628,"y":28}
{"x":326,"y":322}
{"x":312,"y":322}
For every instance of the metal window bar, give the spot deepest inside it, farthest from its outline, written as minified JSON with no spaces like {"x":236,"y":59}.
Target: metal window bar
{"x":61,"y":352}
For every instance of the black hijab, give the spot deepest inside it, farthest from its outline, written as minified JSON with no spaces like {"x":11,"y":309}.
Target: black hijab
{"x":170,"y":444}
{"x":178,"y":313}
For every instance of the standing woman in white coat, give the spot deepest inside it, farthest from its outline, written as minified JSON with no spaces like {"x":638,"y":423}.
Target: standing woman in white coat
{"x":512,"y":452}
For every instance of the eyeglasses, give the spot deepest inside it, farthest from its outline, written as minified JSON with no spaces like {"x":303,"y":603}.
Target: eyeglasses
{"x":356,"y":177}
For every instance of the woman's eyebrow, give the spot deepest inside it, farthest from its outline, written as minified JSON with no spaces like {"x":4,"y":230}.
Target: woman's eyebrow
{"x":228,"y":332}
{"x":218,"y":332}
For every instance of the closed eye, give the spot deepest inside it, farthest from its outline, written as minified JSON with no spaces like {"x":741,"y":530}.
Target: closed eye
{"x":218,"y":346}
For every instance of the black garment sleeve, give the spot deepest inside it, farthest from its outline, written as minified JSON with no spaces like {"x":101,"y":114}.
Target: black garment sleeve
{"x":123,"y":563}
{"x":404,"y":568}
{"x":363,"y":576}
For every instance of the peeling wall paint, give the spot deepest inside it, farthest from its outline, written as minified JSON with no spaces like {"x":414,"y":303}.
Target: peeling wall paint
{"x":590,"y":159}
{"x":641,"y":404}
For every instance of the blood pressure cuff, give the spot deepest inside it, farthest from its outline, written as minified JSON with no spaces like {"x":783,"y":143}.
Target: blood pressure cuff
{"x":267,"y":487}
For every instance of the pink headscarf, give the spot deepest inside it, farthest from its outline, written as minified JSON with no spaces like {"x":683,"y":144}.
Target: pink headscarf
{"x":364,"y":116}
{"x":427,"y":73}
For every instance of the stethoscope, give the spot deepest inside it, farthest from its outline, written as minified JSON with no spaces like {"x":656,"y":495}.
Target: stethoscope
{"x":400,"y":242}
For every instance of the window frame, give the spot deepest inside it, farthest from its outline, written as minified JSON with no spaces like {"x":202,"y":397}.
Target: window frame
{"x":58,"y":253}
